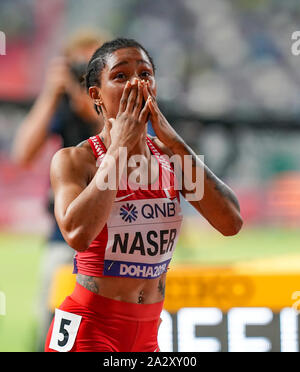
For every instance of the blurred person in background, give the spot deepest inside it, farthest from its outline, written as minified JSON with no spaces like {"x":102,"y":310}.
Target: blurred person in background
{"x":62,"y":108}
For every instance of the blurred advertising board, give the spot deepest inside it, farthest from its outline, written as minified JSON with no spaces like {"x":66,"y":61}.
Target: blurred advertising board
{"x":220,"y":310}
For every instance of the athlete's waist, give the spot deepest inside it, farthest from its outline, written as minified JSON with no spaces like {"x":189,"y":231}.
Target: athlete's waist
{"x":107,"y":307}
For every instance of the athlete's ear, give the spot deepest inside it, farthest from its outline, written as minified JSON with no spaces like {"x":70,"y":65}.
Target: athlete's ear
{"x":95,"y":95}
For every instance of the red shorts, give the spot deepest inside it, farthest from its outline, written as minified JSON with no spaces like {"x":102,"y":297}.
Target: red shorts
{"x":88,"y":322}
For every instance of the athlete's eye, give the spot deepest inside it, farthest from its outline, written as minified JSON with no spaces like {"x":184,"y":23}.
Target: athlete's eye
{"x":145,"y":74}
{"x":120,"y":75}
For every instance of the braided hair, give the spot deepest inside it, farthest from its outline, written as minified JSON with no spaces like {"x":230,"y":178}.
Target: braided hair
{"x":99,"y":59}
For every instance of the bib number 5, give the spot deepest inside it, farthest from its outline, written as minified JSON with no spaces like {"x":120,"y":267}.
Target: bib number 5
{"x":65,"y":330}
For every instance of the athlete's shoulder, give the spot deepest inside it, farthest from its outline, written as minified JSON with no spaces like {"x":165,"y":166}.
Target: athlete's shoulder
{"x":73,"y":159}
{"x":74,"y":153}
{"x":82,"y":143}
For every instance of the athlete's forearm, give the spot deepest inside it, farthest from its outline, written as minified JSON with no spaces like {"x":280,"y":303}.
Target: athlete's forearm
{"x":218,"y":203}
{"x":87,"y":214}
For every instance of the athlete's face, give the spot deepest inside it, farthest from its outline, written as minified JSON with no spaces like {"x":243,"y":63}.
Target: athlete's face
{"x":122,"y":65}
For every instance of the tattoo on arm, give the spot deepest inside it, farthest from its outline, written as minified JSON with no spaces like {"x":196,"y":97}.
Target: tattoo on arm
{"x":222,"y":188}
{"x":87,"y":282}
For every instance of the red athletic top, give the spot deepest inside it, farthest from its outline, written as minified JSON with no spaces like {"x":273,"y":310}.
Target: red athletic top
{"x":140,"y":235}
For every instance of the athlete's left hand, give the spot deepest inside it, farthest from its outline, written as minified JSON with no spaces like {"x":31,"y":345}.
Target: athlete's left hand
{"x":163,"y":129}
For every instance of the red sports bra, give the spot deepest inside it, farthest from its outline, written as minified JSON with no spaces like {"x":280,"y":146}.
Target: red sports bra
{"x":141,"y":232}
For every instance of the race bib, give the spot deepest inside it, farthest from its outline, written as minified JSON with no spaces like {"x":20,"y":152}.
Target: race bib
{"x":65,"y":330}
{"x":142,"y":236}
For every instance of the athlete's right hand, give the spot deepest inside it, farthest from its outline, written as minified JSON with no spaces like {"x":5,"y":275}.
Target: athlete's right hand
{"x":131,"y":120}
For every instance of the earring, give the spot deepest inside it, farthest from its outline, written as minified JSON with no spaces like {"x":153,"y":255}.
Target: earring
{"x":98,"y":102}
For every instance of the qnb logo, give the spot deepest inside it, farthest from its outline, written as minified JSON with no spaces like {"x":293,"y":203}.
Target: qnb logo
{"x":2,"y":304}
{"x":2,"y":44}
{"x":128,"y":212}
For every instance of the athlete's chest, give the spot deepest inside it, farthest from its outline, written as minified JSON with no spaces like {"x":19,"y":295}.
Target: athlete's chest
{"x":141,"y":235}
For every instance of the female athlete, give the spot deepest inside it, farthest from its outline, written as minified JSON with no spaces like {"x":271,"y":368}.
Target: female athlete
{"x":124,"y":235}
